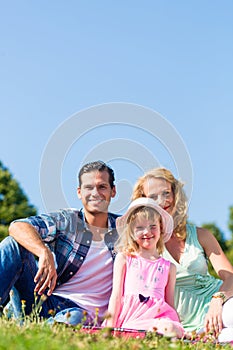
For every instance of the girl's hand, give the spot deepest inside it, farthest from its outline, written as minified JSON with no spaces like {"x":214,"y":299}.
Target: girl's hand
{"x":213,"y":319}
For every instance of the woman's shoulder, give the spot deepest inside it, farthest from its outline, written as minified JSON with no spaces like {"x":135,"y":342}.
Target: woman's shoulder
{"x":201,"y":237}
{"x":193,"y":230}
{"x":205,"y":237}
{"x":195,"y":236}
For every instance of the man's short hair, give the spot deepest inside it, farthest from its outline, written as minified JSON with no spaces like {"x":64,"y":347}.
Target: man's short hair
{"x":97,"y":166}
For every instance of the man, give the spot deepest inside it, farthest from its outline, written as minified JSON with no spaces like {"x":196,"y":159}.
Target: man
{"x":74,"y":250}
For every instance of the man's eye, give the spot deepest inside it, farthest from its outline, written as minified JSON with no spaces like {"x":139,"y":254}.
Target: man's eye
{"x":103,"y":187}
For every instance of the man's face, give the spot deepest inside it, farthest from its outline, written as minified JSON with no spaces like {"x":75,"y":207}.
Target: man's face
{"x":95,"y":191}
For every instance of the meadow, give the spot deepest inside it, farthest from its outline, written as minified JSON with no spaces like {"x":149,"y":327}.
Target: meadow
{"x":41,"y":336}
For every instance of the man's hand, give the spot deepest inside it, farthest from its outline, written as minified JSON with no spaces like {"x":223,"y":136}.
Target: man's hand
{"x":46,"y":276}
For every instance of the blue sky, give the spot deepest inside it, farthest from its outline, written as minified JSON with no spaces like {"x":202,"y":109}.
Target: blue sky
{"x":58,"y":58}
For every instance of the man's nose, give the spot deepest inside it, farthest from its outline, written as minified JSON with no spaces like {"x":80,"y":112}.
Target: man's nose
{"x":94,"y":191}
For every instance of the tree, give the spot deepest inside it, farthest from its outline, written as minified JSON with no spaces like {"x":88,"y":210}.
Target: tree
{"x":230,"y":222}
{"x":230,"y":242}
{"x":13,"y":201}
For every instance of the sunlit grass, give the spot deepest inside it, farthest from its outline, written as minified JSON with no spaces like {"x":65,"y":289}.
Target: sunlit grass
{"x":32,"y":332}
{"x":41,"y":336}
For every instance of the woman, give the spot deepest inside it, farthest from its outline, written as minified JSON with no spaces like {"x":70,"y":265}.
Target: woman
{"x":201,"y":300}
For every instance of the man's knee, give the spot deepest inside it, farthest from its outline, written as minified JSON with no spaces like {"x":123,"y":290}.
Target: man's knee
{"x":72,"y":316}
{"x":9,"y":242}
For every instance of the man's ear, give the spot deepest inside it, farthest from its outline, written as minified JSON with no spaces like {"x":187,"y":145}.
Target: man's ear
{"x":113,"y":191}
{"x":79,"y":192}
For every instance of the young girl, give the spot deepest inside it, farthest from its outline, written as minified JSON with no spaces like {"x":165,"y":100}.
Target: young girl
{"x":143,"y":281}
{"x":201,"y":300}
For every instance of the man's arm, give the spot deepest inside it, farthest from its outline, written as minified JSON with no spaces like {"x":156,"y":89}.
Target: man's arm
{"x":27,"y":236}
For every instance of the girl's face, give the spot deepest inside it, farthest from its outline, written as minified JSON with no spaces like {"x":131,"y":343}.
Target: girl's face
{"x":146,"y":232}
{"x":160,"y":190}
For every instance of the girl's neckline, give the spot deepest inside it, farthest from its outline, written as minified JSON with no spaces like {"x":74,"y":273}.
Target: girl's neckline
{"x":147,"y":258}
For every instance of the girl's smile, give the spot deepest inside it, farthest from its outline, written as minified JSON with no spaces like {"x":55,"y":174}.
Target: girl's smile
{"x":147,"y":238}
{"x":146,"y":231}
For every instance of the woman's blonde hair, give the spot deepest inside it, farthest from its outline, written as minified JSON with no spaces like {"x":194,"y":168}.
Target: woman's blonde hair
{"x":180,"y":200}
{"x":127,"y":242}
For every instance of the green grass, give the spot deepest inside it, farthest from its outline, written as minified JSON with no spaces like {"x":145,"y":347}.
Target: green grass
{"x":40,"y":336}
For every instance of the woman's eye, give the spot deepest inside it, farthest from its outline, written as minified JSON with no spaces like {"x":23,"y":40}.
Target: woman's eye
{"x":166,"y":194}
{"x":153,"y":196}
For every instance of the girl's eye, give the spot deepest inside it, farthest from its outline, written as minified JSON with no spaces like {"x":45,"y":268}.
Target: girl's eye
{"x":152,"y":227}
{"x":139,"y":228}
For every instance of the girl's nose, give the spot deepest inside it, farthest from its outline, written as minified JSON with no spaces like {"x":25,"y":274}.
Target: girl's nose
{"x":147,"y":230}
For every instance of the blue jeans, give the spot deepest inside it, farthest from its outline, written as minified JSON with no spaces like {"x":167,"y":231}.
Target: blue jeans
{"x":17,"y":270}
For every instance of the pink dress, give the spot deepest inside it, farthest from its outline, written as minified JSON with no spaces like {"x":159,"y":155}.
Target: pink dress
{"x":143,"y":305}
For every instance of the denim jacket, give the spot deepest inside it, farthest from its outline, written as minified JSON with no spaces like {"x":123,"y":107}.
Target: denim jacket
{"x":67,"y":236}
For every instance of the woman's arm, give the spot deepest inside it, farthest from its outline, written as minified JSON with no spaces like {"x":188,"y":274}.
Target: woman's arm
{"x":224,"y":269}
{"x":218,"y":259}
{"x":117,"y":290}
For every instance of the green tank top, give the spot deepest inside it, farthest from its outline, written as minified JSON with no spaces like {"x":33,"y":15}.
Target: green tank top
{"x":194,"y":285}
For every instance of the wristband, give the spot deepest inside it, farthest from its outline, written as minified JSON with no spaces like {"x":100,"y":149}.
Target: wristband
{"x":220,"y":295}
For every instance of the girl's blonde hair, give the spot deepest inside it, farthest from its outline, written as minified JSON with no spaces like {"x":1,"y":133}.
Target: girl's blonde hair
{"x":180,"y":200}
{"x":127,"y":242}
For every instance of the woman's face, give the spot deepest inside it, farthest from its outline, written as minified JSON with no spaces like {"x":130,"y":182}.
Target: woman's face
{"x":161,"y":191}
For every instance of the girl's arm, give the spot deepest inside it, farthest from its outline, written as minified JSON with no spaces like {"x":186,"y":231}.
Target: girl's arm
{"x":117,"y":290}
{"x":224,"y":269}
{"x":170,"y":287}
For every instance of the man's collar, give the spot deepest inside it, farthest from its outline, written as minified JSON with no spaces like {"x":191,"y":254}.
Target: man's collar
{"x":111,"y":220}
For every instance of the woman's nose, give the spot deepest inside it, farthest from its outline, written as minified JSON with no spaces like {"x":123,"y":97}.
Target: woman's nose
{"x":160,"y":200}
